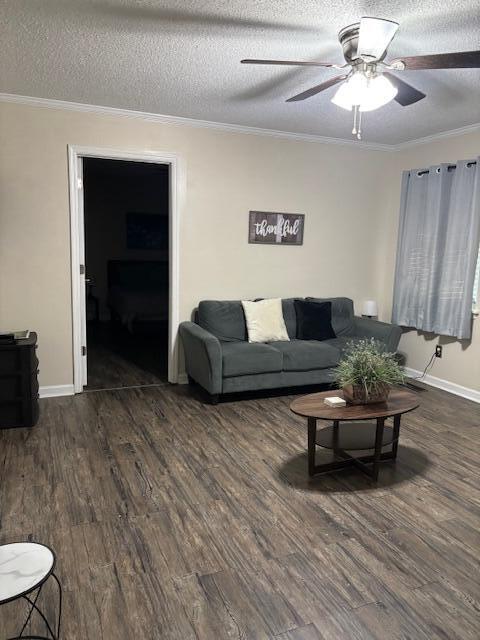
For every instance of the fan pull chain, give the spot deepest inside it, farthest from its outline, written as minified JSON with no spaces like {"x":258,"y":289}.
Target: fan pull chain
{"x":355,"y":111}
{"x":357,"y":121}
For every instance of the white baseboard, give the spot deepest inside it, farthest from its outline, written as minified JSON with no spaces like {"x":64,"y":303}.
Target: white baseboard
{"x":458,"y":390}
{"x":182,"y":378}
{"x":57,"y":390}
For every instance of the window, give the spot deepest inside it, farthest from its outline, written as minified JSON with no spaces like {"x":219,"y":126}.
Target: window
{"x":476,"y":287}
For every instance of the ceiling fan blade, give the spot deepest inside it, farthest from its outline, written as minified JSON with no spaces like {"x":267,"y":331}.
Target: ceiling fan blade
{"x":374,"y":37}
{"x":292,"y":63}
{"x":319,"y":87}
{"x":406,"y":93}
{"x":459,"y":60}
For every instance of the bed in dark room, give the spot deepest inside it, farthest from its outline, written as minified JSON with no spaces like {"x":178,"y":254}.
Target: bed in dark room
{"x":138,"y":291}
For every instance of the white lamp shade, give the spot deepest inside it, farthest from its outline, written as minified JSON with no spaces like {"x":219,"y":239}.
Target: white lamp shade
{"x":367,"y":93}
{"x":370,"y":308}
{"x":351,"y":92}
{"x":380,"y":91}
{"x":375,"y":36}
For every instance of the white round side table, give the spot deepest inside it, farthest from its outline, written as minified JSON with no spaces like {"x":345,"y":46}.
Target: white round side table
{"x":24,"y":569}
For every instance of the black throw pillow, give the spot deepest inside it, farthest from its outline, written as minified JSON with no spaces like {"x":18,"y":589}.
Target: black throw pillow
{"x":314,"y":320}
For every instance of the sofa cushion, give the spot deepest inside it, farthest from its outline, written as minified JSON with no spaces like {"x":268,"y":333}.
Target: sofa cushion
{"x":264,"y":319}
{"x":224,"y":318}
{"x":289,"y":315}
{"x":305,"y":355}
{"x":314,"y":320}
{"x":243,"y":358}
{"x":342,"y":315}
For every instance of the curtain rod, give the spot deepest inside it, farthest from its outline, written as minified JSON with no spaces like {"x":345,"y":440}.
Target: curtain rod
{"x":450,"y":167}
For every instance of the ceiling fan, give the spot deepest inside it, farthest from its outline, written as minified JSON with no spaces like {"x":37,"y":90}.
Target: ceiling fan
{"x":367,"y":83}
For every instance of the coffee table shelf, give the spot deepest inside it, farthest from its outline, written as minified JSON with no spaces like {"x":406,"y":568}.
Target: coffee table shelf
{"x":353,"y":436}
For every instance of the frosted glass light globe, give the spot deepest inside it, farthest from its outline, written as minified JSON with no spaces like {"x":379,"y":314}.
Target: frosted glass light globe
{"x":380,"y":91}
{"x":367,"y":93}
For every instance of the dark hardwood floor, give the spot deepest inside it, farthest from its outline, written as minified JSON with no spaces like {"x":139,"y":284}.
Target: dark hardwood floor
{"x":173,"y":519}
{"x":117,"y":358}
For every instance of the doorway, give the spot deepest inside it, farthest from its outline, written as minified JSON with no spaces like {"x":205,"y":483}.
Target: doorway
{"x":126,"y":268}
{"x":124,"y":231}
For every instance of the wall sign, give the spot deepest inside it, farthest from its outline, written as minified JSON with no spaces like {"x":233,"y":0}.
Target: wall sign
{"x":266,"y":227}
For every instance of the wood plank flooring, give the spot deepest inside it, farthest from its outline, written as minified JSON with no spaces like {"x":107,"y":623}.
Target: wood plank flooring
{"x":176,"y":520}
{"x":117,"y":358}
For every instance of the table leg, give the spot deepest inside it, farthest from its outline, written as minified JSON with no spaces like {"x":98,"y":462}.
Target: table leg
{"x":378,"y":448}
{"x":396,"y":434}
{"x":335,"y":437}
{"x":31,"y":610}
{"x":43,"y":617}
{"x":52,"y":634}
{"x":312,"y":434}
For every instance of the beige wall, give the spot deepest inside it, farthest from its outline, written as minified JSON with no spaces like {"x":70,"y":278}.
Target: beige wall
{"x":227,"y":174}
{"x":460,"y":363}
{"x":350,"y":198}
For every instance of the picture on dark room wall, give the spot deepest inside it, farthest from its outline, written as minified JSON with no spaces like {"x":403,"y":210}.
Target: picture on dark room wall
{"x":148,"y":231}
{"x":267,"y":227}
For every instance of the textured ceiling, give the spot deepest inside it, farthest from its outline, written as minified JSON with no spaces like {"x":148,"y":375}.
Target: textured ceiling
{"x":182,"y":58}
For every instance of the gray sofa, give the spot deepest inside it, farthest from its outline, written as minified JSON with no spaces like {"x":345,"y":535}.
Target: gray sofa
{"x":220,"y":359}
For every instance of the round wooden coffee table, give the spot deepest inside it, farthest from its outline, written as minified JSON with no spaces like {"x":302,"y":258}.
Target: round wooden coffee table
{"x":349,"y":430}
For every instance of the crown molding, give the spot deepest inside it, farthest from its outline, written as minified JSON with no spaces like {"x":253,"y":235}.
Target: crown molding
{"x":438,"y":136}
{"x":189,"y":122}
{"x":232,"y":128}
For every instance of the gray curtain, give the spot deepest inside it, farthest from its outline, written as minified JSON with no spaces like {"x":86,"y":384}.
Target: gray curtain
{"x":438,"y":243}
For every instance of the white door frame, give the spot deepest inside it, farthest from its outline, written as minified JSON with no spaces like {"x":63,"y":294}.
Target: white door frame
{"x":177,"y":186}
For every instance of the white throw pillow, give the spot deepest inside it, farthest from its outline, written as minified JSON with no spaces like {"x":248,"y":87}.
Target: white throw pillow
{"x":265,"y":321}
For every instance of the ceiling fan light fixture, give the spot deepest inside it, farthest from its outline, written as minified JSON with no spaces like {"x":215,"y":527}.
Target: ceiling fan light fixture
{"x":379,"y":93}
{"x":366,"y":93}
{"x":342,"y":97}
{"x":351,"y":92}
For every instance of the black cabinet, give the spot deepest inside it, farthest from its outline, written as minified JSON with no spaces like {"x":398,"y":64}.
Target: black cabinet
{"x":19,"y":383}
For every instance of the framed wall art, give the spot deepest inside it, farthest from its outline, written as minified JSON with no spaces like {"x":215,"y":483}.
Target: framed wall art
{"x":268,"y":227}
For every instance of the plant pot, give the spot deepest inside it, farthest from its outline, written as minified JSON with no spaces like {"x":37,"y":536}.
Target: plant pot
{"x":356,"y":394}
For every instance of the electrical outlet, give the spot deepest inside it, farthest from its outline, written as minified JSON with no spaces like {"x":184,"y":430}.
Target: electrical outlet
{"x":438,"y":351}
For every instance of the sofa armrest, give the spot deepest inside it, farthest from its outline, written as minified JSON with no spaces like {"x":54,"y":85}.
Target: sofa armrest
{"x":203,"y":356}
{"x":383,"y":331}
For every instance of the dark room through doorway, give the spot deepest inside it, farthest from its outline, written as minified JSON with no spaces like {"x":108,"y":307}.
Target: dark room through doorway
{"x":126,"y":214}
